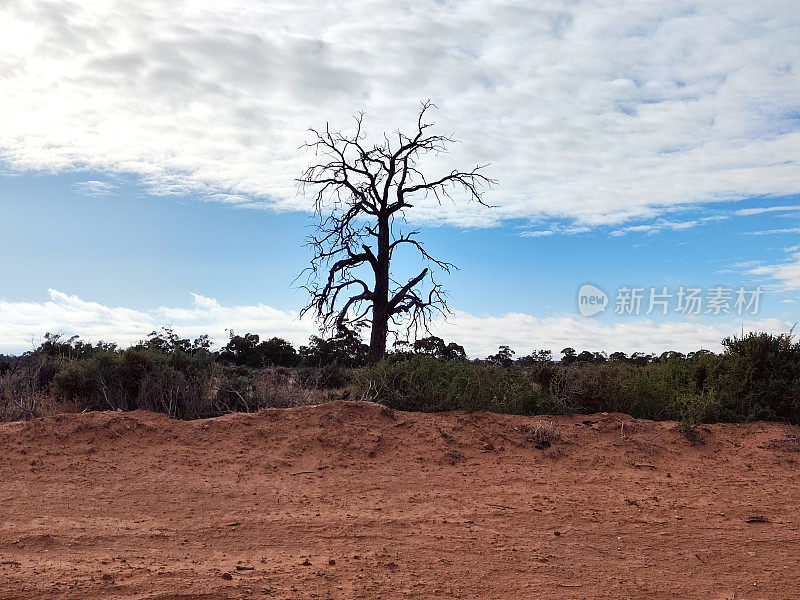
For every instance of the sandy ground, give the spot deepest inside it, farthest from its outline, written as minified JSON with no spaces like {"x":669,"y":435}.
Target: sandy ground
{"x":352,"y":501}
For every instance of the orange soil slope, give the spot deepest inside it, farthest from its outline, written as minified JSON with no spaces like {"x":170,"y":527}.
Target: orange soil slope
{"x":349,"y":500}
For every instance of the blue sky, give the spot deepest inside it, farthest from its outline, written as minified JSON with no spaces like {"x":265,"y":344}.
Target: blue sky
{"x":141,"y":251}
{"x":148,"y":157}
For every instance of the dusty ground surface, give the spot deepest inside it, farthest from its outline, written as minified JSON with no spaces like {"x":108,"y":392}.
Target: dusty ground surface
{"x":351,"y":501}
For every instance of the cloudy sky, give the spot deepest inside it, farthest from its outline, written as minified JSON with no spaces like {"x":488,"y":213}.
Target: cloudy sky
{"x":148,"y":152}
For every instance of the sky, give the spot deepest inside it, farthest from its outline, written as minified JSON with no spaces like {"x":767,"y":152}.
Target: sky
{"x":149,"y":151}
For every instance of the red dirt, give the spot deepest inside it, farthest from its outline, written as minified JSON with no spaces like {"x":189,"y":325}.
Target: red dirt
{"x":348,"y":500}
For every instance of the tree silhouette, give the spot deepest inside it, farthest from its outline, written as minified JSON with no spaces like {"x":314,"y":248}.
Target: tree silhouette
{"x":362,"y":194}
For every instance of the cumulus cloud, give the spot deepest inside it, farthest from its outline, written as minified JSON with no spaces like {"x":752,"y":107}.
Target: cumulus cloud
{"x":595,"y":112}
{"x":22,"y":325}
{"x":482,"y":335}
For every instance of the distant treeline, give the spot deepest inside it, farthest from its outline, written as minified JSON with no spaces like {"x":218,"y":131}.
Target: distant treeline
{"x":249,"y":350}
{"x":757,"y":376}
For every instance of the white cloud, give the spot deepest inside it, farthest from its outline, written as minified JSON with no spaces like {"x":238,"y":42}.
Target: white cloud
{"x":787,"y":272}
{"x":22,"y":325}
{"x":657,"y":227}
{"x":599,"y":112}
{"x":556,"y":229}
{"x":768,"y":209}
{"x":94,"y":188}
{"x":204,"y":302}
{"x":775,"y":231}
{"x":481,"y":335}
{"x":537,"y":233}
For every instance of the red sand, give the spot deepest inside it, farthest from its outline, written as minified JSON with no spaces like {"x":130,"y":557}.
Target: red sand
{"x":347,"y":500}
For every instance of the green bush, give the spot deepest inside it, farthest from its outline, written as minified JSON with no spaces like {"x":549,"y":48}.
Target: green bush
{"x":761,"y":377}
{"x":757,"y":377}
{"x":429,"y":384}
{"x":138,"y":378}
{"x":328,"y":377}
{"x":93,"y":382}
{"x":586,"y":387}
{"x":252,"y":390}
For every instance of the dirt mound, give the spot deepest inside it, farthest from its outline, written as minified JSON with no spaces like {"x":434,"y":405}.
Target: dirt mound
{"x":353,"y":500}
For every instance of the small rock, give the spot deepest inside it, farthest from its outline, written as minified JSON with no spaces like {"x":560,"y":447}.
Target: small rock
{"x":306,"y":563}
{"x":227,"y":576}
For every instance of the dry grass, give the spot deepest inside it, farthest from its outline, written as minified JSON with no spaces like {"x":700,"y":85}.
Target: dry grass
{"x":543,"y":434}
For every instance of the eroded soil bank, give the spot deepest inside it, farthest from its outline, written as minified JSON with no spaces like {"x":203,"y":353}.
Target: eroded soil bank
{"x":349,"y":500}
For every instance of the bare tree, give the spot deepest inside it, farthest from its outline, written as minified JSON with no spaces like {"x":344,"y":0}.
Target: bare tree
{"x":361,"y":197}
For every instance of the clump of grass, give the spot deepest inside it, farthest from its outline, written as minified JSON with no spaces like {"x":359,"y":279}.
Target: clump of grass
{"x":543,"y":434}
{"x":691,"y":432}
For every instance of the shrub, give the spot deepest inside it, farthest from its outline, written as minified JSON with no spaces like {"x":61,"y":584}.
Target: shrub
{"x":428,"y":384}
{"x":329,"y":377}
{"x":5,"y":364}
{"x":689,"y":430}
{"x":24,"y":385}
{"x":92,"y":382}
{"x":757,"y":377}
{"x":139,"y":378}
{"x":761,"y":376}
{"x":585,"y":387}
{"x":235,"y":393}
{"x":243,"y":390}
{"x":649,"y":393}
{"x":18,"y":398}
{"x":542,"y":373}
{"x":265,"y":388}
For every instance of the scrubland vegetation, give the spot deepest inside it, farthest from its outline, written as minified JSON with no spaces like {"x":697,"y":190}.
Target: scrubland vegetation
{"x":756,"y":377}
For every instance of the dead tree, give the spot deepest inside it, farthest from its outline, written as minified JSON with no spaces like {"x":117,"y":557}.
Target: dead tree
{"x":362,"y":194}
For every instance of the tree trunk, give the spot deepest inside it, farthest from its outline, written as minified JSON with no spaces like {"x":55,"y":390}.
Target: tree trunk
{"x":380,"y":302}
{"x":377,"y":339}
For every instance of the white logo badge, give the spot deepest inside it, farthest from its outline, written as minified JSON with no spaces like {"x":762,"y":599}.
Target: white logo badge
{"x":591,"y":300}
